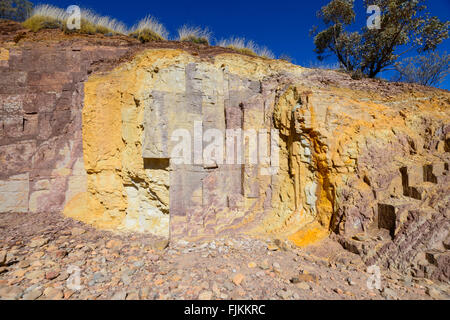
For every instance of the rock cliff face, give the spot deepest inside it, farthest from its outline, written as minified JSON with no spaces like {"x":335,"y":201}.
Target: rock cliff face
{"x":92,"y":128}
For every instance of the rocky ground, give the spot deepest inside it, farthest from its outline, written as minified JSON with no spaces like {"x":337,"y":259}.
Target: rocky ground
{"x":41,"y":254}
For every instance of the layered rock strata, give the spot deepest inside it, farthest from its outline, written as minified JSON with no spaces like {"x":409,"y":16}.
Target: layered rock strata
{"x":365,"y":160}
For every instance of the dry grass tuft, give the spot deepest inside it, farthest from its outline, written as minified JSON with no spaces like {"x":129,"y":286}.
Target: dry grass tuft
{"x":50,"y":17}
{"x":239,"y":45}
{"x":149,"y":29}
{"x":46,"y":17}
{"x":265,"y":53}
{"x":93,"y":23}
{"x":246,"y":47}
{"x":194,"y":34}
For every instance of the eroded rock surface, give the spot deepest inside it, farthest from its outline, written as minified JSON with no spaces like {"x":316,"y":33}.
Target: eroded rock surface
{"x":87,"y":124}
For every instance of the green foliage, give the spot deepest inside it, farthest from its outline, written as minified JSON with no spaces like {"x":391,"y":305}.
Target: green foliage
{"x":405,"y":24}
{"x":429,"y":70}
{"x":17,"y":10}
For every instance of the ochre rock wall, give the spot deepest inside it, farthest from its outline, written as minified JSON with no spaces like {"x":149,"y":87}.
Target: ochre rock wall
{"x":366,"y":160}
{"x":340,"y":160}
{"x":41,"y":98}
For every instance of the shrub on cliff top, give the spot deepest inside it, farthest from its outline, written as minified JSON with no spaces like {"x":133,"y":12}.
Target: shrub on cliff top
{"x":149,"y":29}
{"x":194,"y":34}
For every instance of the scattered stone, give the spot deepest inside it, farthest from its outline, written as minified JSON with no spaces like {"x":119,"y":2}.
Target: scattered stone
{"x":160,"y":245}
{"x":260,"y":274}
{"x":388,"y":293}
{"x":303,"y":286}
{"x":10,"y":293}
{"x":50,"y":275}
{"x":144,"y":292}
{"x":113,"y":244}
{"x":433,"y":293}
{"x":305,"y":277}
{"x":280,"y":244}
{"x":60,"y":253}
{"x":38,"y":242}
{"x":126,"y":279}
{"x":133,"y":270}
{"x":350,"y":282}
{"x":3,"y":255}
{"x":215,"y":288}
{"x":121,"y":295}
{"x":133,"y":296}
{"x":407,"y":281}
{"x":37,"y":255}
{"x":276,"y":267}
{"x":35,"y":275}
{"x":338,"y":291}
{"x":446,"y":242}
{"x":205,"y":295}
{"x":361,"y":237}
{"x":19,"y":273}
{"x":238,"y":278}
{"x":8,"y":258}
{"x":294,"y":280}
{"x":77,"y":231}
{"x":53,"y":294}
{"x":265,"y":265}
{"x":100,"y":277}
{"x":68,"y":294}
{"x":32,"y":295}
{"x":228,"y":285}
{"x":284,"y":294}
{"x":24,"y":264}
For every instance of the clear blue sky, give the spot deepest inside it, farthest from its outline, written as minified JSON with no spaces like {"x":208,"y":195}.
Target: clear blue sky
{"x":281,"y":25}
